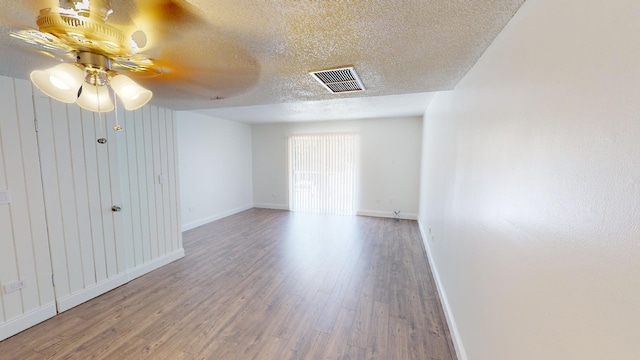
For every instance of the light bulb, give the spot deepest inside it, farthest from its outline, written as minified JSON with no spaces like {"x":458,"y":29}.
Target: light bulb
{"x":58,"y":83}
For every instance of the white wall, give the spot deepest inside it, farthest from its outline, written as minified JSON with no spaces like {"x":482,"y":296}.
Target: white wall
{"x":531,"y":187}
{"x":389,"y":163}
{"x":215,"y":168}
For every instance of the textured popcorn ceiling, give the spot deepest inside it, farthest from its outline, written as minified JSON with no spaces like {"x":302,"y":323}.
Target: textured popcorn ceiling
{"x":235,"y":53}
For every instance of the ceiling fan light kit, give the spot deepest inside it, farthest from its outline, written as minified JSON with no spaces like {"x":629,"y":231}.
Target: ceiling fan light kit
{"x":95,"y":98}
{"x":87,"y":82}
{"x":133,"y":96}
{"x":60,"y":82}
{"x":82,"y":31}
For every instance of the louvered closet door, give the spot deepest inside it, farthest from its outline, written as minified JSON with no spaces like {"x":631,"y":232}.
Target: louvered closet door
{"x":81,"y":184}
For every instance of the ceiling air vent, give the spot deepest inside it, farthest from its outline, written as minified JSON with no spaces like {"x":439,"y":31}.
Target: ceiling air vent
{"x":341,"y":80}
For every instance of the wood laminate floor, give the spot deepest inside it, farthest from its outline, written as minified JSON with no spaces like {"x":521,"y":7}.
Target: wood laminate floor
{"x":264,"y":284}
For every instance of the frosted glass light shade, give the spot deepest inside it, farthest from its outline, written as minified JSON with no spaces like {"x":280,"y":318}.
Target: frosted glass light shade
{"x":95,"y":98}
{"x":60,"y":82}
{"x":133,"y":96}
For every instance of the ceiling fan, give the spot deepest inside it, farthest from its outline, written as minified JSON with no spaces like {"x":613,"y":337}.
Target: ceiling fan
{"x":79,"y":28}
{"x":101,"y":54}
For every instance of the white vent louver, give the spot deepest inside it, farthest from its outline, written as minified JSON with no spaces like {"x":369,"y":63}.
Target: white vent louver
{"x":341,"y":80}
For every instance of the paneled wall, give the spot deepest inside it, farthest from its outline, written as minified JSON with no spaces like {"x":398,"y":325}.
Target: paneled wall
{"x":149,"y":187}
{"x":92,"y":248}
{"x":24,"y":248}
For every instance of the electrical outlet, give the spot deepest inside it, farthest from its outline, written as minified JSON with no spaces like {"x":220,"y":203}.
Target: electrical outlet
{"x":15,"y":286}
{"x":5,"y":197}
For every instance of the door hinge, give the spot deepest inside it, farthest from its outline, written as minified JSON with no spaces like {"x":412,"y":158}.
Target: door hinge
{"x":35,"y":124}
{"x":53,"y":280}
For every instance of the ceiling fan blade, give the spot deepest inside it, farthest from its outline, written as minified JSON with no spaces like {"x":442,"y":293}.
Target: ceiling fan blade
{"x":43,"y":41}
{"x":164,"y":20}
{"x":203,"y":73}
{"x":179,"y":55}
{"x":176,"y":11}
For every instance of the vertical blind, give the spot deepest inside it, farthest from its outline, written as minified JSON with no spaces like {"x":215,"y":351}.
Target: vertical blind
{"x":323,"y":173}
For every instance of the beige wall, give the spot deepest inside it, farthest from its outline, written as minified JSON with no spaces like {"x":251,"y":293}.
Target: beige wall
{"x":530,"y":191}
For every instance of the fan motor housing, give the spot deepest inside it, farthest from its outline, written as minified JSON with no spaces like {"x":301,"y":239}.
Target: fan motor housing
{"x":90,"y":33}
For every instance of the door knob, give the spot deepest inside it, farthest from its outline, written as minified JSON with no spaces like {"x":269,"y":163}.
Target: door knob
{"x":116,"y":208}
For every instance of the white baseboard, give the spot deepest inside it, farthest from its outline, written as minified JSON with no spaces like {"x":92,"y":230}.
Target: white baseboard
{"x":271,"y":206}
{"x":72,"y":300}
{"x":27,"y":320}
{"x":224,"y":214}
{"x":453,"y":329}
{"x":387,"y":214}
{"x":77,"y":298}
{"x":48,"y":311}
{"x":155,"y":264}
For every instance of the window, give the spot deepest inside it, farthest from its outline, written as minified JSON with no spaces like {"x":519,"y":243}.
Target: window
{"x":323,"y":173}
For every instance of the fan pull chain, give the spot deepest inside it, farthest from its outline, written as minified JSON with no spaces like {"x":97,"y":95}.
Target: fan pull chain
{"x":102,"y":139}
{"x":117,"y":126}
